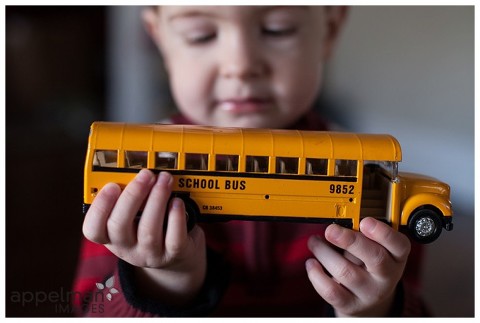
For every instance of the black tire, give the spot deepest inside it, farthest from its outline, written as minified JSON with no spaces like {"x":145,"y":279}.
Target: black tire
{"x":191,"y":211}
{"x":425,"y":225}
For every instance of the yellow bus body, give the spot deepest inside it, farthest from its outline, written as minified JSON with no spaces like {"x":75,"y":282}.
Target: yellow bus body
{"x":262,"y":174}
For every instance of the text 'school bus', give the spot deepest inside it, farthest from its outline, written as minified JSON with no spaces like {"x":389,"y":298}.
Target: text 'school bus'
{"x":260,"y":174}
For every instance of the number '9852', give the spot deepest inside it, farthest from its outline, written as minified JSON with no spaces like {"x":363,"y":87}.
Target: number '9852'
{"x":341,"y":189}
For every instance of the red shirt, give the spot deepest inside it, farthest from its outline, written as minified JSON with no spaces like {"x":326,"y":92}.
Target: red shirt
{"x":254,"y":269}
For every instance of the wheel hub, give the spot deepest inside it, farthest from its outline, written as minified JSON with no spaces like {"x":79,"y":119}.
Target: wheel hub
{"x":425,"y":227}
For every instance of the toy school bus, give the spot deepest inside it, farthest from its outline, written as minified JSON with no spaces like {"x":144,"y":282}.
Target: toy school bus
{"x":260,"y":174}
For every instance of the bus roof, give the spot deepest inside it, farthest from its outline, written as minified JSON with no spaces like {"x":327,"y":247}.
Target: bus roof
{"x":247,"y":141}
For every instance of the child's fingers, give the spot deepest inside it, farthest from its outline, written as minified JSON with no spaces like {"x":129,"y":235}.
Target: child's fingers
{"x":356,"y":279}
{"x":331,"y":291}
{"x":176,"y":237}
{"x":150,"y":226}
{"x":95,"y":222}
{"x":377,"y":257}
{"x":374,"y":256}
{"x":395,"y":242}
{"x":120,"y":223}
{"x":342,"y":270}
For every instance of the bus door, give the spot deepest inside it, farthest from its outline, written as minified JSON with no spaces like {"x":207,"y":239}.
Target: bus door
{"x":376,"y":190}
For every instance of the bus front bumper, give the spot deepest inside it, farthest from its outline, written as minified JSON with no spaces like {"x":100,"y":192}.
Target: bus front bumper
{"x":447,"y":223}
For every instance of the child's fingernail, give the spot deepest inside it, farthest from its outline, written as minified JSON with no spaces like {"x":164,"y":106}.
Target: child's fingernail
{"x":334,"y":232}
{"x":176,"y":203}
{"x":313,"y":241}
{"x":144,"y":176}
{"x":111,"y":189}
{"x":309,"y":264}
{"x":368,"y":225}
{"x":164,"y":178}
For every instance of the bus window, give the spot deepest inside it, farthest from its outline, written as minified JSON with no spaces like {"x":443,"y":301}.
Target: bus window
{"x":136,"y":159}
{"x":105,"y":158}
{"x":286,"y":165}
{"x":388,"y":168}
{"x":316,"y":166}
{"x":257,"y":164}
{"x":196,"y":161}
{"x":226,"y":163}
{"x":166,"y":160}
{"x":345,"y":167}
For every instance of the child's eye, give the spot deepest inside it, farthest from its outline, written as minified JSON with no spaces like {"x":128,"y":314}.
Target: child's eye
{"x":279,"y":31}
{"x":200,"y":38}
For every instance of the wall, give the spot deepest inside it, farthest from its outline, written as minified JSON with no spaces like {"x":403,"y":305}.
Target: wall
{"x":54,"y":89}
{"x":409,"y":71}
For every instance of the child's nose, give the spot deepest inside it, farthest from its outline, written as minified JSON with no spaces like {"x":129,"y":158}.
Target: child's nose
{"x":243,"y":59}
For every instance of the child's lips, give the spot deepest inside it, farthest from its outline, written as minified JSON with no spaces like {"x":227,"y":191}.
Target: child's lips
{"x":249,"y":105}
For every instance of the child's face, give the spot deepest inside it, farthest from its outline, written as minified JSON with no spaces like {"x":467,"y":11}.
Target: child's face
{"x":243,"y":66}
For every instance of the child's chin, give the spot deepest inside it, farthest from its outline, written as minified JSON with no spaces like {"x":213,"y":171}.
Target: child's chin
{"x":252,"y":121}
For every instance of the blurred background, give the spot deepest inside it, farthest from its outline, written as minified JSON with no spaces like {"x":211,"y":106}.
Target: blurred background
{"x":407,"y":71}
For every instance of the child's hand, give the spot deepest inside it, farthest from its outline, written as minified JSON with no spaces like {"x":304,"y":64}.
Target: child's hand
{"x":171,"y":263}
{"x":362,"y":280}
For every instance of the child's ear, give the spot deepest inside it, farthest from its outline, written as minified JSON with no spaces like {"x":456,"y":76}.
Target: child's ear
{"x":151,"y":20}
{"x":336,"y":16}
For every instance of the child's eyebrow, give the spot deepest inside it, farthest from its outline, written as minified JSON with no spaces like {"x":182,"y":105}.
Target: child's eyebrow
{"x":291,"y":7}
{"x":197,"y":11}
{"x":185,"y":13}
